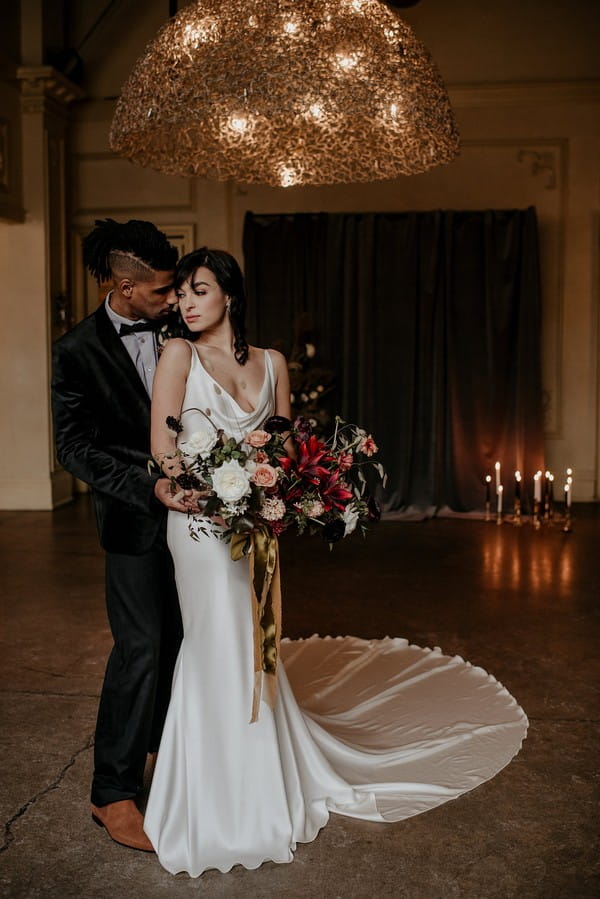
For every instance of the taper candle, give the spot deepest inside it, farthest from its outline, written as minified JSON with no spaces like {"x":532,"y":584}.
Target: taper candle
{"x":517,"y":485}
{"x":497,"y":467}
{"x":488,"y":481}
{"x":537,"y":486}
{"x":499,"y":494}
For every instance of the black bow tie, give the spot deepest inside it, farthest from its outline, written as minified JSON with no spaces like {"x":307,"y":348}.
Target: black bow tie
{"x":124,"y":330}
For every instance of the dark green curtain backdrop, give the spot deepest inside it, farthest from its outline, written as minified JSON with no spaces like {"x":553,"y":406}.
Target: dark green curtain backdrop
{"x":431,"y":321}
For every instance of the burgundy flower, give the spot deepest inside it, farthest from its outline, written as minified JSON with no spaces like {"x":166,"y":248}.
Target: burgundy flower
{"x":277,"y":424}
{"x":312,"y":453}
{"x":188,"y":481}
{"x":277,"y":527}
{"x":302,"y":428}
{"x":334,"y":530}
{"x":174,"y":424}
{"x":335,"y":493}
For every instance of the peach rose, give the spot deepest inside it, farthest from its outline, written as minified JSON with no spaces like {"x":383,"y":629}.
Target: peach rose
{"x":264,"y":476}
{"x":257,"y":438}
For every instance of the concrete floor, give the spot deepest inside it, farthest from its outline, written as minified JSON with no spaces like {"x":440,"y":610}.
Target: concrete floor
{"x":523,"y":605}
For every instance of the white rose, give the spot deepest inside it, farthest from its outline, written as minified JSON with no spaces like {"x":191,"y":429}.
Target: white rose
{"x":350,"y":517}
{"x":199,"y":443}
{"x":231,"y":482}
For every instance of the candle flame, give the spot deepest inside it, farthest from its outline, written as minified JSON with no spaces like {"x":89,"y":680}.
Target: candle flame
{"x":517,"y":475}
{"x":500,"y":488}
{"x":488,"y":478}
{"x":537,"y":475}
{"x":497,"y":466}
{"x":569,"y":471}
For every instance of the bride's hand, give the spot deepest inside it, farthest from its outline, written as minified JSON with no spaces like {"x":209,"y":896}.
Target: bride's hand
{"x":196,"y":500}
{"x":179,"y":502}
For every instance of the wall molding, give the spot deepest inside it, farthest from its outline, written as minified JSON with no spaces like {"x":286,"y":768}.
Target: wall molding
{"x":540,"y":163}
{"x":524,"y":93}
{"x":45,"y":88}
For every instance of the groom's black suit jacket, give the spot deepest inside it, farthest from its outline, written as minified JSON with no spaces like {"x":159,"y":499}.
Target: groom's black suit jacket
{"x":102,"y":426}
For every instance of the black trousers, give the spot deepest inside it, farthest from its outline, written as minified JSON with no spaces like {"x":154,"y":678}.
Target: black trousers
{"x":144,"y":616}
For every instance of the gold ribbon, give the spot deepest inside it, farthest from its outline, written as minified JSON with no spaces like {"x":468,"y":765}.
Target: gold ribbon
{"x":262,"y":547}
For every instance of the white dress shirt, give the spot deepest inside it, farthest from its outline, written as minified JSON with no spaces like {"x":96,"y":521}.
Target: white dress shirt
{"x":141,"y":346}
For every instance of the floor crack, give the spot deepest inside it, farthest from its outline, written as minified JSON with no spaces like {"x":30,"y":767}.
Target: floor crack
{"x":8,"y":834}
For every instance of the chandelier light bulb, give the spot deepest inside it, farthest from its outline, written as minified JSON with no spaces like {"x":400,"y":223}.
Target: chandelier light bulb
{"x":202,"y":32}
{"x":347,"y":61}
{"x":288,"y":177}
{"x":238,"y":123}
{"x":285,"y":93}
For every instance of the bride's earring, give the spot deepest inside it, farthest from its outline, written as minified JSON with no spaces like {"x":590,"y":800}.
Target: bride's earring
{"x":228,"y":305}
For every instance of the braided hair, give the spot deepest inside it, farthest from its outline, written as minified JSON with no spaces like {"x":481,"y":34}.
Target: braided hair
{"x":229,"y":277}
{"x":135,"y":248}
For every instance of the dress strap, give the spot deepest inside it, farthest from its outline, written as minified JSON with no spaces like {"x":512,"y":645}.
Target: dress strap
{"x":269,"y":368}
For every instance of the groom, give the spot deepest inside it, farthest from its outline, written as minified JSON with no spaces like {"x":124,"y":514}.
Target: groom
{"x":102,"y":381}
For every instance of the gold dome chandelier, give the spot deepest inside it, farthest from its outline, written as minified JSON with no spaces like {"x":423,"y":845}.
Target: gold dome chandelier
{"x":285,"y":92}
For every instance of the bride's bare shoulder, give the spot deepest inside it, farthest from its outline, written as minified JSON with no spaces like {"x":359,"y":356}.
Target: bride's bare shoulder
{"x":176,"y":351}
{"x":277,"y":358}
{"x":257,"y":352}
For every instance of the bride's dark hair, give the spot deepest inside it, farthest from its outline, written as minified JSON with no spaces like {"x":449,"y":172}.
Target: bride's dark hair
{"x":229,"y":277}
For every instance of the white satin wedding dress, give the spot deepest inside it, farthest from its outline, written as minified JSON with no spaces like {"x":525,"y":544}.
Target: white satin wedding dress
{"x":373,"y":729}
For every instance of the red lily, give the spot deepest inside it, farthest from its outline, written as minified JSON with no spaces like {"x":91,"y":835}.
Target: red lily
{"x":335,"y":492}
{"x":311,"y":454}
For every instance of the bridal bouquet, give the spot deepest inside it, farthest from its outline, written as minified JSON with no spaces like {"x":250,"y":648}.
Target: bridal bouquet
{"x":254,"y":483}
{"x":257,"y":490}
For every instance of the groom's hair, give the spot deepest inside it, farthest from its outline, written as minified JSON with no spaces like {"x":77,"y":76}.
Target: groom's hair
{"x":133,"y":249}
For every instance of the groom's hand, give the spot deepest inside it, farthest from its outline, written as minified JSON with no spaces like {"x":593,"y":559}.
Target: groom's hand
{"x":179,"y":502}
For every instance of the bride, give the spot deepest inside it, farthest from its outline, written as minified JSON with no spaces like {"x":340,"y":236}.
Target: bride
{"x":380,"y":730}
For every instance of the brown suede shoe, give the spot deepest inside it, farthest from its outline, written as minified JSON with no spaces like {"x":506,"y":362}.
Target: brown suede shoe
{"x":124,"y":824}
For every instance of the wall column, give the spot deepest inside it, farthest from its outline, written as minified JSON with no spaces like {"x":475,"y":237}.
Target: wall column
{"x":36,"y":307}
